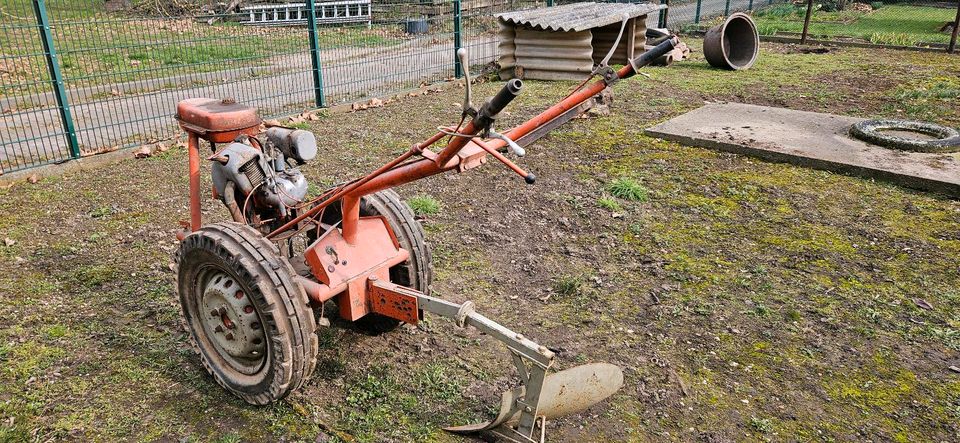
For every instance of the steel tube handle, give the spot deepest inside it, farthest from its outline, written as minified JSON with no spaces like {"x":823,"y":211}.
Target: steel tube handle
{"x":654,"y":53}
{"x":503,"y":98}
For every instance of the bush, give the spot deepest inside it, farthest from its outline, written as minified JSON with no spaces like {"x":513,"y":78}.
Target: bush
{"x":876,"y":5}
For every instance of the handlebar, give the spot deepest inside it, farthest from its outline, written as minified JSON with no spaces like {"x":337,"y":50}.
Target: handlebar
{"x":503,"y":98}
{"x":654,"y":53}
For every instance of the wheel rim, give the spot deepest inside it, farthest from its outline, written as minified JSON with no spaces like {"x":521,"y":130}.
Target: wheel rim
{"x":231,"y":321}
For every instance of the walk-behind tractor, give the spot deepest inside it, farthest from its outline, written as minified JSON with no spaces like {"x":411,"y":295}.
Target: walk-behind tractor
{"x":249,"y":288}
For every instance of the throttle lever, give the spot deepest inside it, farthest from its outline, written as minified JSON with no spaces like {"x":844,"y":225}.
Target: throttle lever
{"x":514,"y":147}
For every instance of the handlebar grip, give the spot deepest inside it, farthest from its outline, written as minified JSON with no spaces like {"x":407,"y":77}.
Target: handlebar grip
{"x":503,"y":98}
{"x":654,"y":53}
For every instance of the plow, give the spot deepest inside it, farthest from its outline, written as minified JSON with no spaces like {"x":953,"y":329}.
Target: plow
{"x":252,"y":289}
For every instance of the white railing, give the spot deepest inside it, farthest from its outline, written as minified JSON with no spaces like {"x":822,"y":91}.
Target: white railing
{"x":344,"y":11}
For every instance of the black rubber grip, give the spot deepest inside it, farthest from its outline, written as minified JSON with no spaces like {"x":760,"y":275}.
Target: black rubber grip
{"x":656,"y":52}
{"x":530,"y":178}
{"x":503,"y":98}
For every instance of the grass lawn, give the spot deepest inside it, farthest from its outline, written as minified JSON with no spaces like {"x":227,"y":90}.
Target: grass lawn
{"x":906,"y":25}
{"x":745,"y":300}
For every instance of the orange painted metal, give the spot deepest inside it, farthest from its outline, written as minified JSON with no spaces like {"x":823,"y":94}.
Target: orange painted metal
{"x":352,"y":263}
{"x":317,"y":292}
{"x":193,"y":150}
{"x":217,"y":121}
{"x":344,"y":267}
{"x":496,"y":154}
{"x":392,"y":300}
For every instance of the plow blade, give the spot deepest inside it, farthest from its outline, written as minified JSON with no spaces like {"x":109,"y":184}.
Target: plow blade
{"x":563,"y":393}
{"x":541,"y":396}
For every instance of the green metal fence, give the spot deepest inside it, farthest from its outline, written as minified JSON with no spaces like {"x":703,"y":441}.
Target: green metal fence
{"x":79,"y":77}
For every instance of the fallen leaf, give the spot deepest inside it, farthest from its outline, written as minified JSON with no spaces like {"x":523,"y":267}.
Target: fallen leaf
{"x":33,"y":178}
{"x":9,"y":242}
{"x":143,"y":152}
{"x":162,"y":147}
{"x":272,"y":123}
{"x":375,"y":103}
{"x":923,"y":304}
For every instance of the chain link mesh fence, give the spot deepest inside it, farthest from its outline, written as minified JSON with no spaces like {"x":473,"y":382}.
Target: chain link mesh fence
{"x":79,"y":77}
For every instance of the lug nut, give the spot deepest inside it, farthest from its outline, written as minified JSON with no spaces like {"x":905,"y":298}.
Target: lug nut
{"x":254,"y":325}
{"x":218,"y":328}
{"x":214,"y":313}
{"x":229,"y":337}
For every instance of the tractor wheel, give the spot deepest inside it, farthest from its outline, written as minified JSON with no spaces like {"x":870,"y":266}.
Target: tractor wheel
{"x":416,"y":272}
{"x":250,"y":321}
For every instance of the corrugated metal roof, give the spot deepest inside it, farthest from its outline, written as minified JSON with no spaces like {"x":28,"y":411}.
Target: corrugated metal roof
{"x":577,"y":16}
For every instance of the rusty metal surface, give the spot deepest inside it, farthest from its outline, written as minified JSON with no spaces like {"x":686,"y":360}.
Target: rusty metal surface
{"x":214,"y":115}
{"x":576,"y":17}
{"x":343,"y":266}
{"x":542,"y":131}
{"x":393,"y":301}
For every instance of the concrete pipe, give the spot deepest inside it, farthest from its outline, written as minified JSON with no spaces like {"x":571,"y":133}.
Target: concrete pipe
{"x":734,"y":44}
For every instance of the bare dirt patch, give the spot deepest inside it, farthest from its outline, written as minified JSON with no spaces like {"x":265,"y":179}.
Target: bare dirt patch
{"x":745,"y":300}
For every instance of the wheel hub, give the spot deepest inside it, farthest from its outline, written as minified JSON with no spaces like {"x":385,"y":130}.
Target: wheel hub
{"x":232,"y":323}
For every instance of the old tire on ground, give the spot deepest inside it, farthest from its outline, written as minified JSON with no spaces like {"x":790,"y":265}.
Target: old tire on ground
{"x":871,"y":131}
{"x":416,"y":272}
{"x":249,"y":320}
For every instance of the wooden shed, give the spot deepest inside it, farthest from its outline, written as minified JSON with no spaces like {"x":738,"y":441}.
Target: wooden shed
{"x":565,"y":42}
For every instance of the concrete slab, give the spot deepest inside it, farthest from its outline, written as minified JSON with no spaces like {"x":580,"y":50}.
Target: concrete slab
{"x":808,"y":139}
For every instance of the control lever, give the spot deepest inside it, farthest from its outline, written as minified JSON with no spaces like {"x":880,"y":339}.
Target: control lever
{"x":468,"y":108}
{"x":527,"y":176}
{"x":514,"y":147}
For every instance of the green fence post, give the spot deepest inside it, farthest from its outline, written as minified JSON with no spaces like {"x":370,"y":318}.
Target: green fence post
{"x":457,"y":42}
{"x":318,"y":97}
{"x":662,"y":22}
{"x":750,"y":6}
{"x":56,"y":77}
{"x":956,"y":27}
{"x":806,"y":23}
{"x":696,"y":15}
{"x":549,"y":3}
{"x":726,"y":9}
